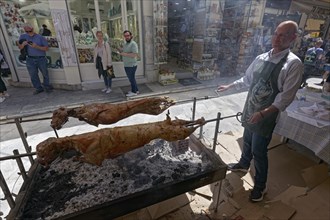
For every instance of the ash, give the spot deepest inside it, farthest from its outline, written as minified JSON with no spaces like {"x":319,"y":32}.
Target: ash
{"x":72,"y":186}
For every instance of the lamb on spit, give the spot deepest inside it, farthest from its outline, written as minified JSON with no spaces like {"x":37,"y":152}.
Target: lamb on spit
{"x":108,"y":113}
{"x":112,"y":142}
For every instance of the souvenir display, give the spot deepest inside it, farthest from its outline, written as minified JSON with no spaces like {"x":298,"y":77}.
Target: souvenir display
{"x":160,"y":24}
{"x":86,"y":55}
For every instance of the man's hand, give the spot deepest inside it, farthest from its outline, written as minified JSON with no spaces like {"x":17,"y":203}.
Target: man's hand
{"x":222,"y":88}
{"x":255,"y":118}
{"x":33,"y":45}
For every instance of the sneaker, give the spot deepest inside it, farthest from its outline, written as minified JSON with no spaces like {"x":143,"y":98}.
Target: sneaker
{"x":4,"y":94}
{"x":104,"y":90}
{"x":237,"y":167}
{"x":37,"y":92}
{"x":108,"y":91}
{"x":2,"y":99}
{"x":257,"y":194}
{"x":129,"y":94}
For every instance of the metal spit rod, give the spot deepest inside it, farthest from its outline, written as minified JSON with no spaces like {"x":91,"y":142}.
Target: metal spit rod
{"x":6,"y":191}
{"x":217,"y":125}
{"x":20,"y":165}
{"x":18,"y":156}
{"x":25,"y":143}
{"x":211,"y":120}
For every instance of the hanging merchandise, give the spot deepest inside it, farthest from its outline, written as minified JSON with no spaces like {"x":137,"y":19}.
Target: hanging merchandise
{"x":160,"y":24}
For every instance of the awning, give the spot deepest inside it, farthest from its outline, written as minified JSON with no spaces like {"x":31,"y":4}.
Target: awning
{"x":314,"y":8}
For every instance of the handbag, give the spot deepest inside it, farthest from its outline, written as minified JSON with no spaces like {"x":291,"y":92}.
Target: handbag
{"x":110,"y":71}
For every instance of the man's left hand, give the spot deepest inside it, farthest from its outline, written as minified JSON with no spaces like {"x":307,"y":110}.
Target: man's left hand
{"x":255,"y":118}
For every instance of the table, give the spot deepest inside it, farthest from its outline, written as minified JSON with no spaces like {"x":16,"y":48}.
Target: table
{"x":315,"y":137}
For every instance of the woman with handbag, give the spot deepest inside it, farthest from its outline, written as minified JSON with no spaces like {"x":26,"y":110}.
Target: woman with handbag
{"x":103,"y":61}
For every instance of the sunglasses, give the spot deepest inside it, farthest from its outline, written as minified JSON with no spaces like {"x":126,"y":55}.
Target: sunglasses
{"x":28,"y":31}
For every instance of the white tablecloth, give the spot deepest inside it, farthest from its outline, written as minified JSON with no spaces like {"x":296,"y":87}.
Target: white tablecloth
{"x":298,"y":128}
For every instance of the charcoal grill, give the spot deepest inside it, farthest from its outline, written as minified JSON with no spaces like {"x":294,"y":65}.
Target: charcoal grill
{"x":135,"y":201}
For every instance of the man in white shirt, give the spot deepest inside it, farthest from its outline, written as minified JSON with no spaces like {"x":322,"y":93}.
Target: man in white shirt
{"x":273,"y":79}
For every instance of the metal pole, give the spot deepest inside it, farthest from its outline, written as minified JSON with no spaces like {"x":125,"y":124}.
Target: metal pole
{"x":20,"y":165}
{"x":194,"y":109}
{"x":201,"y":132}
{"x":55,"y":132}
{"x":17,"y":156}
{"x":216,"y":131}
{"x":25,"y":143}
{"x":218,"y":197}
{"x":6,"y":191}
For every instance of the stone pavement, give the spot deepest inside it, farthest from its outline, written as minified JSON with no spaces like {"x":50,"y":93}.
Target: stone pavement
{"x":23,"y":103}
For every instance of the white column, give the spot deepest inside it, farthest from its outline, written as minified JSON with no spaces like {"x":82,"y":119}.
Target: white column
{"x":124,"y":15}
{"x":97,"y":14}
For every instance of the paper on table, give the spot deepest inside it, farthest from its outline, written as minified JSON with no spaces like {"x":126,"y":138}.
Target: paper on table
{"x":316,"y":111}
{"x":315,"y":115}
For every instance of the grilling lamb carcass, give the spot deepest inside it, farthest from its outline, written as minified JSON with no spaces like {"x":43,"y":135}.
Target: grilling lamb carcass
{"x":112,"y":142}
{"x":108,"y":113}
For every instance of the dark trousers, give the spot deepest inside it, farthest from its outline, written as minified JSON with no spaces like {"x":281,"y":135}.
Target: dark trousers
{"x":130,"y":72}
{"x":2,"y":86}
{"x":255,"y":147}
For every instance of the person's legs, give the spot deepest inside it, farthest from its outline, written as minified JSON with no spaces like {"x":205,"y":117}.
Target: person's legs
{"x":107,"y":82}
{"x":42,"y":64}
{"x":246,"y":156}
{"x":105,"y":79}
{"x":3,"y":87}
{"x":32,"y":67}
{"x":259,"y":151}
{"x":130,"y":72}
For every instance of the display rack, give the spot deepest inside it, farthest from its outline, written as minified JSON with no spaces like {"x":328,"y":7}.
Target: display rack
{"x":160,"y":31}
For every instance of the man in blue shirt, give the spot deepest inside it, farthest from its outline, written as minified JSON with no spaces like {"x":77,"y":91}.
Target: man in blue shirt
{"x":312,"y":61}
{"x":36,"y":59}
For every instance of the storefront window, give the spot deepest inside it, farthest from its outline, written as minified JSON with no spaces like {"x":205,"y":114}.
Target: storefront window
{"x":15,"y":14}
{"x":116,"y":27}
{"x":84,"y":26}
{"x":115,"y":16}
{"x":132,"y":19}
{"x":122,"y":18}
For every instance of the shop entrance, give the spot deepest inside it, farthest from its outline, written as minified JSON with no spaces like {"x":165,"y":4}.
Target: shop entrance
{"x":113,"y":17}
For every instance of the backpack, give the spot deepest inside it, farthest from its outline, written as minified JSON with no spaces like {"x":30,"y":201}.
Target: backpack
{"x":23,"y":51}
